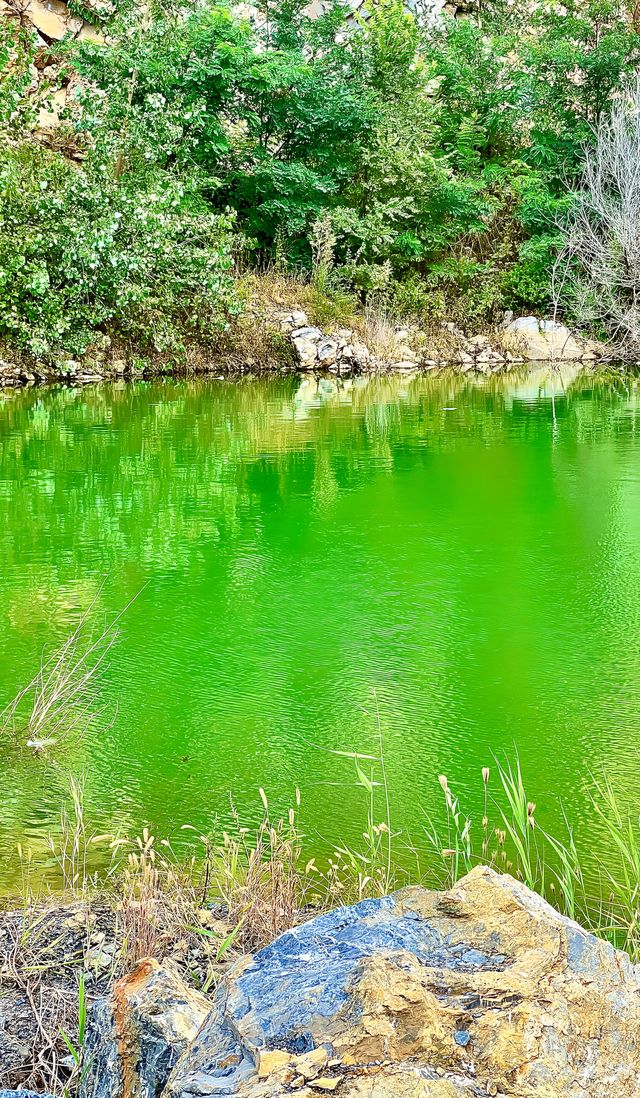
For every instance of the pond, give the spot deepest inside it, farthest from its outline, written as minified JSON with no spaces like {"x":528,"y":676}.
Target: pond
{"x":452,"y":562}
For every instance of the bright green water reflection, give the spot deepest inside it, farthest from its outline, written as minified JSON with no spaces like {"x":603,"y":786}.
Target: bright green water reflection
{"x":464,"y":550}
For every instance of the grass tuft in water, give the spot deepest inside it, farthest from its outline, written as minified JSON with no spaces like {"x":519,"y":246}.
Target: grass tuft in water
{"x":62,"y":701}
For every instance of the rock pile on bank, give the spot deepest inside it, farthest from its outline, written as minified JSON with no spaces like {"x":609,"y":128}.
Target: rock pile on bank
{"x":340,"y":352}
{"x":482,"y":990}
{"x":408,"y":349}
{"x":547,"y":340}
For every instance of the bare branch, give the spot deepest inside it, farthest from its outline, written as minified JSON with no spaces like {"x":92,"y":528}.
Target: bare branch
{"x":599,"y":269}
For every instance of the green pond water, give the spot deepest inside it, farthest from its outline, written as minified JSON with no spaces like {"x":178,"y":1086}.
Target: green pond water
{"x":465,"y":556}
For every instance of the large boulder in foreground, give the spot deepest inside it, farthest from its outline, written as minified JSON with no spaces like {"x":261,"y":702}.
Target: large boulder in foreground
{"x":484,"y":989}
{"x":135,"y":1037}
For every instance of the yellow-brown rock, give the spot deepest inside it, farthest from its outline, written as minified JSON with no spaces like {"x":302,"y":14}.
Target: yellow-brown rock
{"x":484,"y":989}
{"x":49,"y":116}
{"x":49,"y":18}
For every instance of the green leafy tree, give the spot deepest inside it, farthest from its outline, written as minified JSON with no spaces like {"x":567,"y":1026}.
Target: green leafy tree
{"x":518,"y":104}
{"x":576,"y":59}
{"x":438,"y":159}
{"x":122,"y":243}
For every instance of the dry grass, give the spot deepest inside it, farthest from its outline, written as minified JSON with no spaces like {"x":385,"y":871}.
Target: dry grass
{"x":57,"y":947}
{"x":507,"y":343}
{"x":378,"y":331}
{"x":71,"y":849}
{"x":158,"y":899}
{"x":62,"y":701}
{"x":250,"y":885}
{"x":273,"y":290}
{"x":260,"y":878}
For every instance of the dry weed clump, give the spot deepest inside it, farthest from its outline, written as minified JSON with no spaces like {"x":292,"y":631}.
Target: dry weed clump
{"x":62,"y":701}
{"x":158,"y":901}
{"x":260,"y":878}
{"x":273,"y":290}
{"x":387,"y":335}
{"x":59,"y":953}
{"x":378,"y":330}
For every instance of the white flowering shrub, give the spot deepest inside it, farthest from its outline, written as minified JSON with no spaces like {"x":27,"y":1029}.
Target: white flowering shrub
{"x":82,"y":253}
{"x":107,"y":243}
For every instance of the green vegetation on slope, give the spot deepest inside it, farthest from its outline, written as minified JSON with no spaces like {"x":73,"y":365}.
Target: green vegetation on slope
{"x":428,"y":166}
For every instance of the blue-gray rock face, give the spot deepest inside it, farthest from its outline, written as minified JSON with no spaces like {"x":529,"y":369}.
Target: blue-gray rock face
{"x":305,"y":976}
{"x":23,"y":1094}
{"x":481,"y":990}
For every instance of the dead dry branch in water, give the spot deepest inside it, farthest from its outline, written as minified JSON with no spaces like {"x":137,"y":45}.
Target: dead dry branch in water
{"x":63,"y":698}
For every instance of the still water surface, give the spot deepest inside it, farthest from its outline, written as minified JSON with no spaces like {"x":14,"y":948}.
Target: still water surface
{"x":468,"y":553}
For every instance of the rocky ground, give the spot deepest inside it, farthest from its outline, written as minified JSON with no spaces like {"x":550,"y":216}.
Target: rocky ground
{"x":287,"y":341}
{"x":481,"y":990}
{"x":408,"y":349}
{"x":45,"y":951}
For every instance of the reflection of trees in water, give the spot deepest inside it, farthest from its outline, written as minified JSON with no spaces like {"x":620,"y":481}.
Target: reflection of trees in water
{"x":140,"y":472}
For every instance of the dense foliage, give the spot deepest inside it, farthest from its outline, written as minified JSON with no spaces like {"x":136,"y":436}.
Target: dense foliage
{"x":428,"y":164}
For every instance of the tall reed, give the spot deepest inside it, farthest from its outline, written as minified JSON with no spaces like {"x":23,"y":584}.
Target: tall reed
{"x":63,"y":699}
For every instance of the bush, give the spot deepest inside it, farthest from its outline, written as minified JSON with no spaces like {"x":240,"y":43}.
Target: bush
{"x":82,"y":253}
{"x":122,"y":241}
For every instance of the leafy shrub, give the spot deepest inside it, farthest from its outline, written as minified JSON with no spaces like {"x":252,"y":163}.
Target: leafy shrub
{"x":81,"y":251}
{"x":87,"y":248}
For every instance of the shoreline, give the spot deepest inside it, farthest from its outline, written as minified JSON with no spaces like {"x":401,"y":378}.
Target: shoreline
{"x":288,"y":342}
{"x":191,"y":925}
{"x":91,"y":981}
